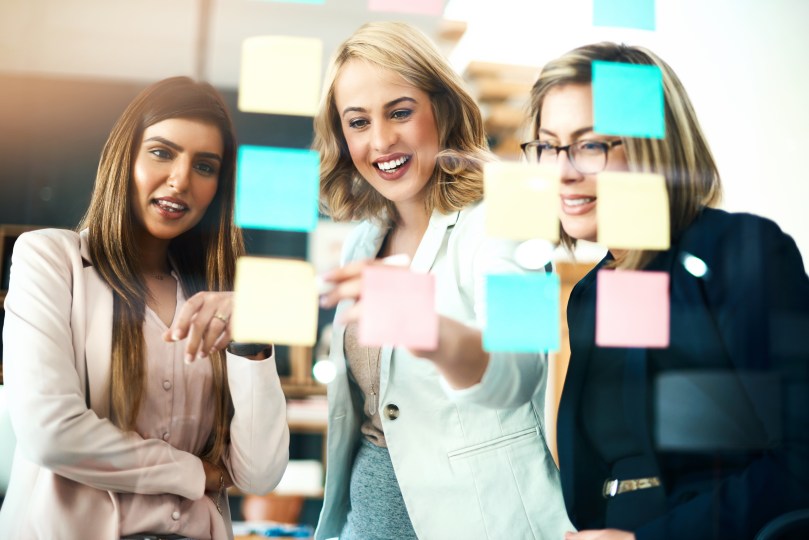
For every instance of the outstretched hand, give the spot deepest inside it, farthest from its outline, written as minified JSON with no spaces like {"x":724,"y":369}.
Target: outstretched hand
{"x":205,"y":321}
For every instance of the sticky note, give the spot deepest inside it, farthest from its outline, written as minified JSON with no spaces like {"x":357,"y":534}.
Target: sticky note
{"x":275,"y":301}
{"x":277,"y":188}
{"x":325,"y":244}
{"x":398,"y":308}
{"x":280,"y":75}
{"x":633,"y":211}
{"x":632,"y":309}
{"x":628,"y":100}
{"x":420,"y":7}
{"x":522,"y":200}
{"x":522,"y":312}
{"x":624,"y":13}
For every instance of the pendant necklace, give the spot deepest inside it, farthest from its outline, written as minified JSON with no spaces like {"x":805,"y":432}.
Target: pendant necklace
{"x":372,"y":398}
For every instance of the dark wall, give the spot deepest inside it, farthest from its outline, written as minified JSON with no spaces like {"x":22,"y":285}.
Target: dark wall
{"x":52,"y":131}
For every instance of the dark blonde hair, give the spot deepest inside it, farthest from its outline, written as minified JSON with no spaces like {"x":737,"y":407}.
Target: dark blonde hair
{"x":683,"y":156}
{"x":458,"y":176}
{"x":204,"y":256}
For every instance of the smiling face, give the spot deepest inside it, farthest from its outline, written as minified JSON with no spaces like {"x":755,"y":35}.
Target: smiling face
{"x":566,"y":117}
{"x":390,"y":130}
{"x":175,"y":176}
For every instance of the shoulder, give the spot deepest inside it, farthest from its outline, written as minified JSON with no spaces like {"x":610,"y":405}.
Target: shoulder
{"x":48,"y":242}
{"x":720,"y":233}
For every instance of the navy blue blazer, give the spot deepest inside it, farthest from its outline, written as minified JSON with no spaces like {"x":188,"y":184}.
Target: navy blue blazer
{"x":748,"y":314}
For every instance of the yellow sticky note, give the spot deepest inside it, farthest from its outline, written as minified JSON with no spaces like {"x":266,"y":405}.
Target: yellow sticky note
{"x":633,"y":211}
{"x":522,"y":201}
{"x":280,"y":75}
{"x":275,"y":302}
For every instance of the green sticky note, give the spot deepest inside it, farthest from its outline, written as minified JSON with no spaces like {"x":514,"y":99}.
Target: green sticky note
{"x":277,"y":188}
{"x":522,"y":313}
{"x":624,"y":13}
{"x":628,"y":100}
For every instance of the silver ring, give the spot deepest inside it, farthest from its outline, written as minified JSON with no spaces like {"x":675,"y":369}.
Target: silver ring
{"x":221,"y":317}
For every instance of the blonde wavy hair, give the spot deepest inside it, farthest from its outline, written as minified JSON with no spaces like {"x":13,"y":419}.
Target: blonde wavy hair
{"x":683,"y":156}
{"x":205,"y":256}
{"x":457,"y":179}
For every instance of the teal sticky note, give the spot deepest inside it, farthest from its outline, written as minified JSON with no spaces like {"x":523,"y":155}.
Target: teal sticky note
{"x":624,"y":13}
{"x":628,"y":100}
{"x":277,"y":188}
{"x":522,"y":312}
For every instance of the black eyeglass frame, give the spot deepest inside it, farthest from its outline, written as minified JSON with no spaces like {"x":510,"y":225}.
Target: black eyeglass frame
{"x":606,"y":147}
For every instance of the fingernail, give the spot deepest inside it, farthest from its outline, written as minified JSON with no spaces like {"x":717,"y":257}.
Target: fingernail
{"x":202,"y":354}
{"x":324,"y":302}
{"x":175,"y":336}
{"x":323,"y":286}
{"x":400,"y":259}
{"x":189,"y":358}
{"x":213,"y":350}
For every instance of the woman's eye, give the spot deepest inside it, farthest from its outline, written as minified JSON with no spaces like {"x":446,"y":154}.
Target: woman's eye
{"x":401,"y":114}
{"x":357,"y":123}
{"x":591,"y":146}
{"x":206,"y":169}
{"x":161,"y":153}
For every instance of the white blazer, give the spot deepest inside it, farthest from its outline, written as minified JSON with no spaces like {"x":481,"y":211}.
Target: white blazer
{"x":70,"y":459}
{"x":470,"y":463}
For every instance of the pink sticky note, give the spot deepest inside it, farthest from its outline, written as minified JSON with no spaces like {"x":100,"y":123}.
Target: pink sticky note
{"x":422,"y":7}
{"x":398,"y":308}
{"x":632,"y":309}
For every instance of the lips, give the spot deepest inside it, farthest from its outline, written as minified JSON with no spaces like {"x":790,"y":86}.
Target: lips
{"x":170,"y":207}
{"x":391,"y":165}
{"x":577,"y":204}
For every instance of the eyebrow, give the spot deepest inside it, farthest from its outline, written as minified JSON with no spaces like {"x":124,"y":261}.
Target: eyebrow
{"x":576,"y":134}
{"x":388,"y":105}
{"x":173,"y":145}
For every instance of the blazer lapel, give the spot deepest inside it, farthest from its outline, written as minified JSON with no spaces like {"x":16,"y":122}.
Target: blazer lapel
{"x":98,"y":342}
{"x":432,"y":240}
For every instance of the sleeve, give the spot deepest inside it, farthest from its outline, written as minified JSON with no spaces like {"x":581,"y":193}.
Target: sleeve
{"x":759,"y":293}
{"x":510,"y":379}
{"x":259,"y":434}
{"x":46,"y":396}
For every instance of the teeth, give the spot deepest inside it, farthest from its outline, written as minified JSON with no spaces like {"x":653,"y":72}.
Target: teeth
{"x":168,"y":205}
{"x":579,"y":202}
{"x":393,"y":164}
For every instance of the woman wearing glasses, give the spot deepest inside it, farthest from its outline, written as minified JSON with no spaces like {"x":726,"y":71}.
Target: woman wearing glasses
{"x":704,"y":438}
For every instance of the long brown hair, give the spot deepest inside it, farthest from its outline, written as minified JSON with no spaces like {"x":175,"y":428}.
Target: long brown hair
{"x":204,"y":257}
{"x":683,"y":156}
{"x":458,"y":175}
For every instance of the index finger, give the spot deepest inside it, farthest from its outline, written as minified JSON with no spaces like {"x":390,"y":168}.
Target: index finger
{"x":182,"y":322}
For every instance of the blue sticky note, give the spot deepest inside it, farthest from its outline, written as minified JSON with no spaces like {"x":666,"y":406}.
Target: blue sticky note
{"x":277,"y":188}
{"x":522,"y":312}
{"x":628,"y":100}
{"x":624,"y":13}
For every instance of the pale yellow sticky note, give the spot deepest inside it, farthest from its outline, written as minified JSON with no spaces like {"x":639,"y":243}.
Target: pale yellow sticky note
{"x":633,"y":211}
{"x":275,"y":302}
{"x":280,"y":75}
{"x":522,"y":201}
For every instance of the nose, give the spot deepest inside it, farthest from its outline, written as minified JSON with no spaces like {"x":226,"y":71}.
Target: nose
{"x":568,"y":173}
{"x":383,"y":136}
{"x":180,"y":174}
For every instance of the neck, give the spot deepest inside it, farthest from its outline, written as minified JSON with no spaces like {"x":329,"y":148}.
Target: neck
{"x":413,"y":218}
{"x":153,"y":255}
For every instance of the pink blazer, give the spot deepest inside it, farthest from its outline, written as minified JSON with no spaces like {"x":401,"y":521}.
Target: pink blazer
{"x":70,"y":459}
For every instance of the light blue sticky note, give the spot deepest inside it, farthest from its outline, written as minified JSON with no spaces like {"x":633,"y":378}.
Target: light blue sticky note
{"x":628,"y":100}
{"x":624,"y":13}
{"x":277,"y":188}
{"x":522,"y":312}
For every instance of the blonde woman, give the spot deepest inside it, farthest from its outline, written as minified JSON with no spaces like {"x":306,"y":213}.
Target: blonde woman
{"x":130,"y":419}
{"x":430,"y":444}
{"x":637,"y":459}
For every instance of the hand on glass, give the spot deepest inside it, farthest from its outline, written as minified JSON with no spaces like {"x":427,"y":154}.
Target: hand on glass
{"x":205,"y":321}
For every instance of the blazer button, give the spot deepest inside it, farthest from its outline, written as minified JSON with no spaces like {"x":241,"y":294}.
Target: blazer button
{"x":391,"y":411}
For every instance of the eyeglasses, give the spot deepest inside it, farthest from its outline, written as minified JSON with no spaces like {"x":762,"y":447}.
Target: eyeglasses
{"x":587,"y":157}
